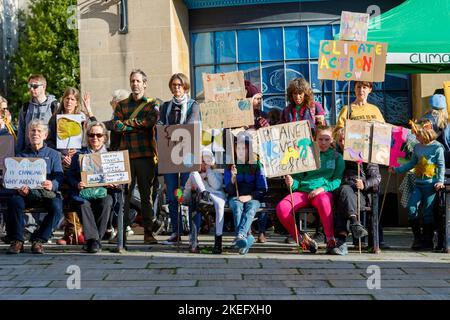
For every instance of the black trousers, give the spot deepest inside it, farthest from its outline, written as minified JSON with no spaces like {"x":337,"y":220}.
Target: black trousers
{"x":346,"y":205}
{"x":95,"y":216}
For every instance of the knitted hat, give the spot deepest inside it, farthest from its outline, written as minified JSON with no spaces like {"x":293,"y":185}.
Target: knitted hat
{"x":206,"y":153}
{"x":251,"y":89}
{"x":437,"y":102}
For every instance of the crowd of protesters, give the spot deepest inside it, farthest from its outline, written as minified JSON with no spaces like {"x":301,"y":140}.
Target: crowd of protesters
{"x":332,"y":189}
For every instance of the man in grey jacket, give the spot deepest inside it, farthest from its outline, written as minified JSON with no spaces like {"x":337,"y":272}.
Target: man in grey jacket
{"x":41,"y":106}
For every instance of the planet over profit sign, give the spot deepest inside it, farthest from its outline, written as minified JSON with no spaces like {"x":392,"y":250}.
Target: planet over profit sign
{"x":352,"y":60}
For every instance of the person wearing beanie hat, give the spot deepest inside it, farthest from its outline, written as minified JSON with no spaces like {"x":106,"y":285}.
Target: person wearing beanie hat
{"x":260,"y":117}
{"x":438,"y":114}
{"x":208,"y":184}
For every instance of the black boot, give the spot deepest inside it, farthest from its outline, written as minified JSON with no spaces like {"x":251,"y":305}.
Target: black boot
{"x":428,"y":234}
{"x":217,"y":245}
{"x":415,"y":226}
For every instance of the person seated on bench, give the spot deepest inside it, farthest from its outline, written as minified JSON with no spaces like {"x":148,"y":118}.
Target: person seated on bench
{"x":96,"y":208}
{"x":246,"y":187}
{"x":346,"y":196}
{"x":49,"y":196}
{"x":314,"y":188}
{"x":208,"y":184}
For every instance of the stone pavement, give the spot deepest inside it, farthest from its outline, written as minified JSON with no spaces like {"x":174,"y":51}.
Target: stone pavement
{"x":271,"y":271}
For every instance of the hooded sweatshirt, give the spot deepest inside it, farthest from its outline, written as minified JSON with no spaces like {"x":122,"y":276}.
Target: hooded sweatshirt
{"x":36,"y":110}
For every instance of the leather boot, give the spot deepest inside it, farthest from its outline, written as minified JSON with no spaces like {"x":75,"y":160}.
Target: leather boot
{"x":427,"y":240}
{"x":415,"y":226}
{"x":217,"y":245}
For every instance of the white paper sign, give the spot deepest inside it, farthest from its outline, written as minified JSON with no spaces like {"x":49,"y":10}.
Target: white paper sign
{"x":69,"y":131}
{"x":30,"y":172}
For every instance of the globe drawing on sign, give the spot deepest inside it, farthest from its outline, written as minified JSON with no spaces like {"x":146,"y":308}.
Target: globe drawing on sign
{"x":244,"y":105}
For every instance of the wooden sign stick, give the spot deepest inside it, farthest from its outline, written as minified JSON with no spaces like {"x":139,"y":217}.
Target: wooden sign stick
{"x":359,"y":205}
{"x":293,"y":216}
{"x":384,"y":197}
{"x":75,"y":227}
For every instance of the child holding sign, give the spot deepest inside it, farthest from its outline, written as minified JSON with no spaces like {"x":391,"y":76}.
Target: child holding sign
{"x":315,"y":188}
{"x":429,"y":167}
{"x":208,"y":184}
{"x":246,"y":186}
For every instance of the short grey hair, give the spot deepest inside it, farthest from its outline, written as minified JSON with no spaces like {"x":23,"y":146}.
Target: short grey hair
{"x":120,"y":94}
{"x":37,"y":122}
{"x":142,"y":73}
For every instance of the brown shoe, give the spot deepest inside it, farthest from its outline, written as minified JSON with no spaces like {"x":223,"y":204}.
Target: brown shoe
{"x":37,"y":247}
{"x":149,"y":238}
{"x":261,"y":238}
{"x":15,"y":247}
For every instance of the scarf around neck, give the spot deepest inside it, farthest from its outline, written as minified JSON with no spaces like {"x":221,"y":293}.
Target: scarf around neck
{"x":183,"y":103}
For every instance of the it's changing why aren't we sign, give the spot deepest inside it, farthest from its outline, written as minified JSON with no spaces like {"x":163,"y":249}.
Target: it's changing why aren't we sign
{"x":24,"y":172}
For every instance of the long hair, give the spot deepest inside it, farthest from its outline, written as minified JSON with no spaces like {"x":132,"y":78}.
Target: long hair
{"x":441,"y":117}
{"x":70,"y":91}
{"x":300,"y":85}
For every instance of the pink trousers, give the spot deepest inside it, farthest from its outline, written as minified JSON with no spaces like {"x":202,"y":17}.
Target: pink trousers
{"x":322,"y":202}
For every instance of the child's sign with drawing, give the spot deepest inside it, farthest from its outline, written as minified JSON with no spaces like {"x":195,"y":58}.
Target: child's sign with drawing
{"x":367,"y":142}
{"x":287,"y":149}
{"x":354,"y":26}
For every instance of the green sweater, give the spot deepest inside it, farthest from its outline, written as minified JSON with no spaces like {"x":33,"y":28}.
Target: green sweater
{"x":329,"y":175}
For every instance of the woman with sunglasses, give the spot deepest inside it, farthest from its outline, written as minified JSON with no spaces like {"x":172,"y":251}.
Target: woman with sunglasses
{"x":95,"y":212}
{"x":6,"y":126}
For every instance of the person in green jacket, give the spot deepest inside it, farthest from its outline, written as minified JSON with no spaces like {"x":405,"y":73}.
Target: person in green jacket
{"x":314,"y":188}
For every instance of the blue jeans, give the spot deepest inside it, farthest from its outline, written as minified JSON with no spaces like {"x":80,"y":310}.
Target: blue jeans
{"x":263,"y":217}
{"x":16,"y":206}
{"x":425,"y":194}
{"x":171,"y":180}
{"x":243,"y":214}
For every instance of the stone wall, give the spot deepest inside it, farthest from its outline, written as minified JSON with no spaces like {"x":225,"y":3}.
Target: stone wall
{"x":156,"y":42}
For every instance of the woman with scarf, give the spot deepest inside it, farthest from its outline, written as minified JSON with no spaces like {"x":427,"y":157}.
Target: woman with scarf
{"x":180,"y":110}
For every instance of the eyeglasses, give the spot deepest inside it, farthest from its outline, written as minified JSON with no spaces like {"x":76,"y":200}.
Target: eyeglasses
{"x":177,"y":85}
{"x":34,"y":85}
{"x":98,"y":135}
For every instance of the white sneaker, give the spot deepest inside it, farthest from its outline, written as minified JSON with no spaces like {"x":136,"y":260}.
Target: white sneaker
{"x":129,"y":231}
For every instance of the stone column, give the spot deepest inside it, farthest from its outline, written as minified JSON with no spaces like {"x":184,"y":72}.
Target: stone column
{"x":156,"y":42}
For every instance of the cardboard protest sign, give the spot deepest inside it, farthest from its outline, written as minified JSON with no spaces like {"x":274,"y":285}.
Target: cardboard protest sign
{"x":241,"y":135}
{"x":224,"y":86}
{"x":287,"y":149}
{"x":354,"y":26}
{"x":6,"y":151}
{"x":368,"y":142}
{"x":29,"y":172}
{"x":101,"y":169}
{"x":352,"y":60}
{"x":399,"y":138}
{"x":179,"y":148}
{"x":357,"y":140}
{"x":447,"y":93}
{"x":69,"y":131}
{"x":381,"y":143}
{"x":226,"y":114}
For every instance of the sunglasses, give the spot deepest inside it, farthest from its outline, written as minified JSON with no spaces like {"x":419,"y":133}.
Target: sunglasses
{"x":98,"y":135}
{"x":34,"y":85}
